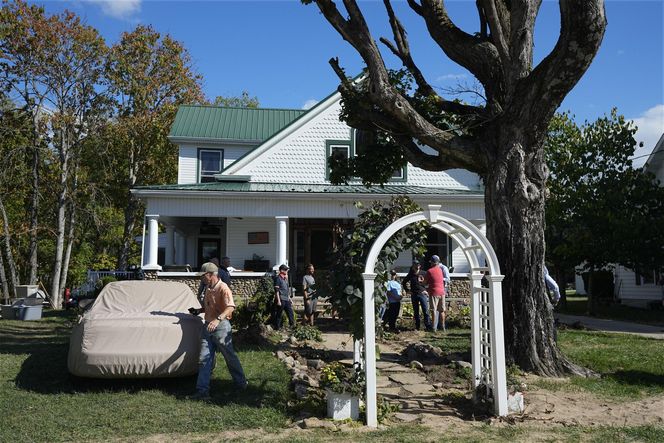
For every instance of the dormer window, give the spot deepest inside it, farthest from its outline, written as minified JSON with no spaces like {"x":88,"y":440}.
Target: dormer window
{"x":337,"y":149}
{"x":210,"y":162}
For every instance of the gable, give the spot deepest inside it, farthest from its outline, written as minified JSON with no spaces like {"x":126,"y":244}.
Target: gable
{"x":298,"y":154}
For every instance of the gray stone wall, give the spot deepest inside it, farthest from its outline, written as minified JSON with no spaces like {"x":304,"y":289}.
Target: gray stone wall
{"x":242,"y":287}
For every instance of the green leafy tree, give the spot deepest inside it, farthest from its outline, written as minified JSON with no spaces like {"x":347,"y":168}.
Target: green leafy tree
{"x":150,"y":75}
{"x":346,"y":283}
{"x":501,"y":139}
{"x":601,"y":211}
{"x":243,"y":101}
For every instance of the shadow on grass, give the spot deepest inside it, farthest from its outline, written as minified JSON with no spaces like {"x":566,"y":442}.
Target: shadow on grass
{"x":637,"y":378}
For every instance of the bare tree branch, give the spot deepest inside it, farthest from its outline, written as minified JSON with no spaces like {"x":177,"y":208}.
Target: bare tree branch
{"x":583,"y":23}
{"x":496,"y":28}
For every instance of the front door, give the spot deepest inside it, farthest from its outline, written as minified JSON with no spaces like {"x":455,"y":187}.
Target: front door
{"x":208,"y":248}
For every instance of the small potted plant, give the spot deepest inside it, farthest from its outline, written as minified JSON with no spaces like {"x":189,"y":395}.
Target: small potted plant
{"x":344,"y":386}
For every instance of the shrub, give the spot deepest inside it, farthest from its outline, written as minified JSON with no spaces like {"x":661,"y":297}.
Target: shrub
{"x":307,"y":332}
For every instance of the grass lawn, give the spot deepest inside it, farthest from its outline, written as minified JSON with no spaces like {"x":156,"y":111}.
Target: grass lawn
{"x":631,"y":367}
{"x":40,"y":401}
{"x":578,"y":305}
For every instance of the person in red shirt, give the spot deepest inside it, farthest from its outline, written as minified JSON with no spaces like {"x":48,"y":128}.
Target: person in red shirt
{"x":435,"y":282}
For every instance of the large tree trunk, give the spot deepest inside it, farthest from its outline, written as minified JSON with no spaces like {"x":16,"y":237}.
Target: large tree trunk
{"x":34,"y":206}
{"x":3,"y":279}
{"x":61,"y":220}
{"x":515,"y":226}
{"x":13,"y":274}
{"x":70,"y":233}
{"x":128,"y":234}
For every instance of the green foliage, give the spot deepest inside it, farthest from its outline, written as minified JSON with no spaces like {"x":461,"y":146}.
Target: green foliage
{"x":346,"y":284}
{"x":257,"y":309}
{"x":601,"y":210}
{"x":341,"y":379}
{"x":459,"y":318}
{"x":244,"y":101}
{"x":307,"y":332}
{"x":385,"y":409}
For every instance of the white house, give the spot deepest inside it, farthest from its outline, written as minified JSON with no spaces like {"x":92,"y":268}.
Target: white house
{"x":253,"y":184}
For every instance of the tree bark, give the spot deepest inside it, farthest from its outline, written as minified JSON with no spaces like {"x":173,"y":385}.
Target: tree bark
{"x":34,"y":217}
{"x":61,"y":220}
{"x":3,"y":279}
{"x":13,"y":275}
{"x":128,"y":233}
{"x":515,"y":227}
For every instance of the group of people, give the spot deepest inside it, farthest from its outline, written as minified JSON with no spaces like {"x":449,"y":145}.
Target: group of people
{"x":282,"y":299}
{"x":427,"y":293}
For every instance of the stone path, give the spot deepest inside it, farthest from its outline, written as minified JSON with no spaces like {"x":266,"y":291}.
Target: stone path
{"x":397,"y":383}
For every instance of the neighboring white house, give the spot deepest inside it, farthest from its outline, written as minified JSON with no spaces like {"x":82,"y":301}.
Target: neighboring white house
{"x":639,"y":288}
{"x":254,"y":184}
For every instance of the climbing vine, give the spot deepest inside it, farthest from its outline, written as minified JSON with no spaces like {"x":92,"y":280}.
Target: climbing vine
{"x":346,"y":282}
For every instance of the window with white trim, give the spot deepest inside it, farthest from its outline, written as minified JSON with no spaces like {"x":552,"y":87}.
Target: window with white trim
{"x":339,"y":150}
{"x":363,"y":138}
{"x":210,"y":162}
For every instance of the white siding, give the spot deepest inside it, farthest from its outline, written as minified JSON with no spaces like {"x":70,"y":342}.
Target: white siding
{"x":304,"y":206}
{"x":188,"y":158}
{"x":187,"y":165}
{"x":237,"y":246}
{"x":627,"y":289}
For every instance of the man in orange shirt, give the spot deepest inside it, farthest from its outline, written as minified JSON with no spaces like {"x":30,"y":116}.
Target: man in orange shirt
{"x":218,"y":307}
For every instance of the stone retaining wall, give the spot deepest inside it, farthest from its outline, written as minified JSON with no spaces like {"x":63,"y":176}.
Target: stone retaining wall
{"x":243,"y":287}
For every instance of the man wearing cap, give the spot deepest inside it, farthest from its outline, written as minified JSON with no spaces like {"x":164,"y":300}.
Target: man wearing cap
{"x":282,"y":301}
{"x":216,"y":334}
{"x":436,"y":289}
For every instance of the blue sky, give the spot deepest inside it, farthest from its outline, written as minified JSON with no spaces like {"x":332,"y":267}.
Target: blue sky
{"x":278,"y":50}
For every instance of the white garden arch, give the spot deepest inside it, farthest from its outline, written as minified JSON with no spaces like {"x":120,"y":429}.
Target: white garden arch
{"x":488,"y":347}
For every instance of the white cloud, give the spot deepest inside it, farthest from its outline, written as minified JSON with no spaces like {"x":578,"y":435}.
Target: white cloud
{"x":651,"y":128}
{"x":121,"y":9}
{"x":446,"y":77}
{"x":309,"y":103}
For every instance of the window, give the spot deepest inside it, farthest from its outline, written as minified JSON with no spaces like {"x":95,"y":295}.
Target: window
{"x":364,"y":138}
{"x":339,"y":149}
{"x":210,"y":162}
{"x":646,"y":276}
{"x":439,"y":244}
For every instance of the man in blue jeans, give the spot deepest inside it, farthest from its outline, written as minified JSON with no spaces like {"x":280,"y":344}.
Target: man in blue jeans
{"x":415,"y":281}
{"x":216,"y":334}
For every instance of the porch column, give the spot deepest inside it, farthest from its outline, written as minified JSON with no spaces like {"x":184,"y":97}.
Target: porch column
{"x":152,"y":243}
{"x":282,"y":241}
{"x":170,"y":245}
{"x":180,"y":248}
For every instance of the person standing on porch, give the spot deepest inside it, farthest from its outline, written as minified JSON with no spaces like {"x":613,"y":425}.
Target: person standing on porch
{"x":435,"y":282}
{"x":224,"y":273}
{"x":310,"y":297}
{"x":216,"y":334}
{"x":415,"y":281}
{"x":282,"y":299}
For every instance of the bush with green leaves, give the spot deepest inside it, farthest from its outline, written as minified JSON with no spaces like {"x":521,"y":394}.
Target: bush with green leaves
{"x":307,"y":332}
{"x":341,"y":379}
{"x":256,"y":310}
{"x":346,"y":283}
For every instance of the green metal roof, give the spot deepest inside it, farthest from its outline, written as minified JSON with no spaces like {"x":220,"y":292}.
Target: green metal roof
{"x":228,"y":186}
{"x":219,"y":122}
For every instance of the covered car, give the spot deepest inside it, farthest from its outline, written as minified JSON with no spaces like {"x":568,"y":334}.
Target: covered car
{"x":137,"y":329}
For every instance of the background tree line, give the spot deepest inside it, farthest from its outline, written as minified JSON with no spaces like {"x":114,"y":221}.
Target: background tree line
{"x":81,"y":122}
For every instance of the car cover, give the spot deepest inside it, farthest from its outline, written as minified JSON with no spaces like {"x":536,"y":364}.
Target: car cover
{"x":137,"y":329}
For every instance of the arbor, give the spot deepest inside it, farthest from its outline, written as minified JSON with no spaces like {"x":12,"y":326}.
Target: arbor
{"x":150,"y":75}
{"x":601,"y":210}
{"x":502,"y":140}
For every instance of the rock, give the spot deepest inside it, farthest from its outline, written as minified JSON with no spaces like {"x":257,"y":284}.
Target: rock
{"x":269,"y":328}
{"x":438,"y":385}
{"x":419,"y":389}
{"x":315,"y":363}
{"x":290,"y":361}
{"x":292,"y":340}
{"x":301,"y":390}
{"x":281,"y":355}
{"x":515,"y":404}
{"x":416,"y":365}
{"x":523,"y":387}
{"x":317,"y":423}
{"x":462,"y":364}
